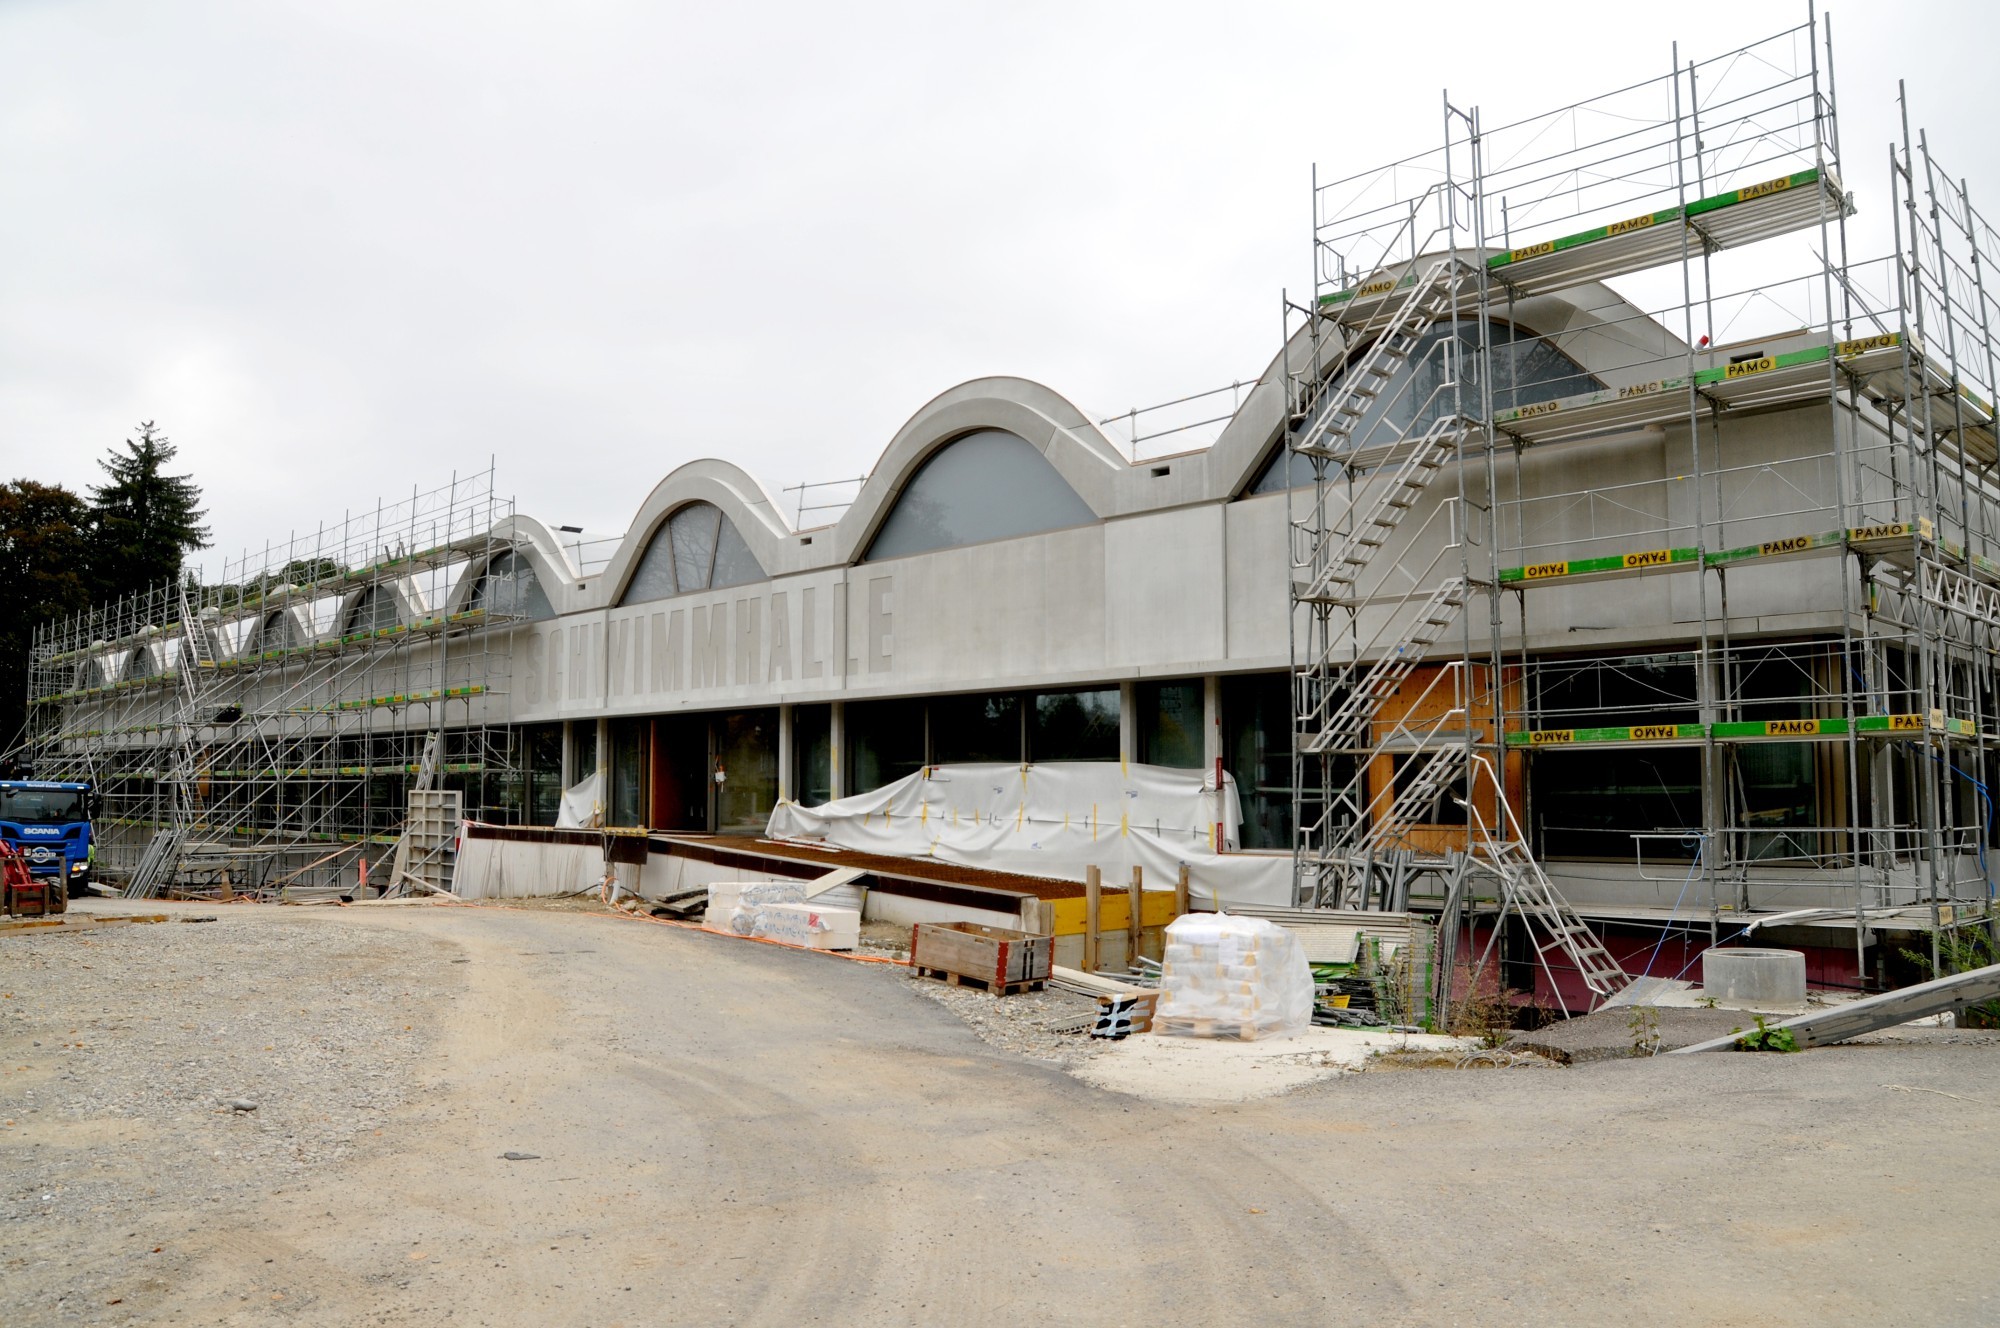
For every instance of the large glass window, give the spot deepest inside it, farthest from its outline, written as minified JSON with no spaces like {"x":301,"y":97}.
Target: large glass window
{"x":1777,"y":784}
{"x":542,"y":754}
{"x":626,"y":805}
{"x":1634,"y":689}
{"x":885,"y":742}
{"x":1257,"y":746}
{"x":975,"y":728}
{"x":583,"y":750}
{"x":985,"y":486}
{"x":1591,"y":803}
{"x":746,"y":755}
{"x":812,"y":754}
{"x":1075,"y":726}
{"x":1588,"y":804}
{"x":1170,"y":719}
{"x":698,"y":548}
{"x":1527,"y":369}
{"x":509,"y":588}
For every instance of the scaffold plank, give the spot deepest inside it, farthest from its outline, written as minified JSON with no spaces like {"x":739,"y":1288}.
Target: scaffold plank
{"x":1736,"y":217}
{"x":1885,"y":540}
{"x":1758,"y":380}
{"x":1753,"y":730}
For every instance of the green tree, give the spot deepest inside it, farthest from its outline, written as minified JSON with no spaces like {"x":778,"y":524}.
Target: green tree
{"x":44,"y":545}
{"x":144,"y":522}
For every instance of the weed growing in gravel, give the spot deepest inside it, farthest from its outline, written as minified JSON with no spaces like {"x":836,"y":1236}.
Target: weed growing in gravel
{"x":1486,"y":1014}
{"x":1961,"y":951}
{"x":1645,"y":1026}
{"x":1766,"y":1038}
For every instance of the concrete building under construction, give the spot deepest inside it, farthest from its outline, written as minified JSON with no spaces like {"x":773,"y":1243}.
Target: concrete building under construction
{"x":1606,"y":553}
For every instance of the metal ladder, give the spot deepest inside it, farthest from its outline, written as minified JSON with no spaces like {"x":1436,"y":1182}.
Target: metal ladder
{"x":1524,"y":883}
{"x":163,"y":857}
{"x":199,"y":687}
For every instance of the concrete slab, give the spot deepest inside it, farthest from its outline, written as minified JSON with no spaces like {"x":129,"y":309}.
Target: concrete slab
{"x":1182,"y":1069}
{"x":1610,"y":1034}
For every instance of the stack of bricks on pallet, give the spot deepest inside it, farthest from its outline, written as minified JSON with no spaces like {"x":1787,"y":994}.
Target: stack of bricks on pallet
{"x":1233,"y":977}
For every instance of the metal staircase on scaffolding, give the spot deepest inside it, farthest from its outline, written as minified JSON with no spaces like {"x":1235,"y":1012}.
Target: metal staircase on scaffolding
{"x":198,"y":703}
{"x":1347,"y":674}
{"x":1527,"y":888}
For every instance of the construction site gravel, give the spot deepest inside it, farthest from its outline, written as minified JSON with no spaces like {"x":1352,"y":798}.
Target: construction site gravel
{"x":436,"y":1114}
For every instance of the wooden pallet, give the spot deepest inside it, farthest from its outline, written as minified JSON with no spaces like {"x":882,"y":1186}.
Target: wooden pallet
{"x":962,"y":980}
{"x":1189,"y":1026}
{"x":997,"y":959}
{"x":76,"y":922}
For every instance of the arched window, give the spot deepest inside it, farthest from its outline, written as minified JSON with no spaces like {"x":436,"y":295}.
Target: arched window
{"x":697,"y":549}
{"x":139,"y":664}
{"x":509,"y":588}
{"x":988,"y":485}
{"x":278,"y":631}
{"x":375,"y":610}
{"x":1527,"y":369}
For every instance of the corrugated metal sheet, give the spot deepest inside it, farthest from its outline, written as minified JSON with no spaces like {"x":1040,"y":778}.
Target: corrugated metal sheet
{"x":1333,"y":936}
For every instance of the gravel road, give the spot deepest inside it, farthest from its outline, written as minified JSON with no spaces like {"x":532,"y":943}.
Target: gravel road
{"x":727,"y":1133}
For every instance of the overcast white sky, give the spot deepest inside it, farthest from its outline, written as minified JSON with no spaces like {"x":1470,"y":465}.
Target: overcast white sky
{"x":335,"y":249}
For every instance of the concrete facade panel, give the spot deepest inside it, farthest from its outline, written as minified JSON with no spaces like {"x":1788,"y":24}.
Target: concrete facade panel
{"x":1164,"y":579}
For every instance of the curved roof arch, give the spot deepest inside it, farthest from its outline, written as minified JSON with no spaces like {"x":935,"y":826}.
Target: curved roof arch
{"x":744,"y":500}
{"x":1602,"y":332}
{"x":402,"y":592}
{"x":537,"y":544}
{"x":1088,"y":461}
{"x":1605,"y":335}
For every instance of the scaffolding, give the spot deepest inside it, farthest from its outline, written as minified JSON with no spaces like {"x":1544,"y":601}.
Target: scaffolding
{"x":1441,"y":418}
{"x":270,"y":729}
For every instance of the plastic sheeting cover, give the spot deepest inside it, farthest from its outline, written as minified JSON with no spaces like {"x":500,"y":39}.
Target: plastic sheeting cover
{"x":582,"y":805}
{"x":1055,"y":820}
{"x":1234,"y":977}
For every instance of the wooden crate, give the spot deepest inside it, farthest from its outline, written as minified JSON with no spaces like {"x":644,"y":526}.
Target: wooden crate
{"x":1000,"y":960}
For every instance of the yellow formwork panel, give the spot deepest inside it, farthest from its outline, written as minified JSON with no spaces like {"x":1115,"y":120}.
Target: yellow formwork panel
{"x":1114,"y":911}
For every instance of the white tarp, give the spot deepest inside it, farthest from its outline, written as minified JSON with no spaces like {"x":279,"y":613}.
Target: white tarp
{"x":1233,"y":977}
{"x":582,"y":805}
{"x":1055,"y":819}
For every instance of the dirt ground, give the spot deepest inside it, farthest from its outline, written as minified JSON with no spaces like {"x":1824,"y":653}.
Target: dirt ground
{"x":721,"y":1132}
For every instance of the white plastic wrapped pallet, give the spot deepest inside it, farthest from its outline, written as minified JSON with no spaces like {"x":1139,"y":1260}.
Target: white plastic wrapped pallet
{"x":1235,"y":977}
{"x":735,"y":906}
{"x":814,"y":926}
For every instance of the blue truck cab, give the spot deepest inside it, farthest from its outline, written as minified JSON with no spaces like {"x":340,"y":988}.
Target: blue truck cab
{"x":49,"y":824}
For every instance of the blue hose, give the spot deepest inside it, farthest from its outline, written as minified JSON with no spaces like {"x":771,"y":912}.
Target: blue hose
{"x":1701,"y":847}
{"x":1984,"y":830}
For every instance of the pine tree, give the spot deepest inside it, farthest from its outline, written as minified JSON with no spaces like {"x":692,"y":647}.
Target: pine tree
{"x":144,"y":522}
{"x":43,"y":545}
